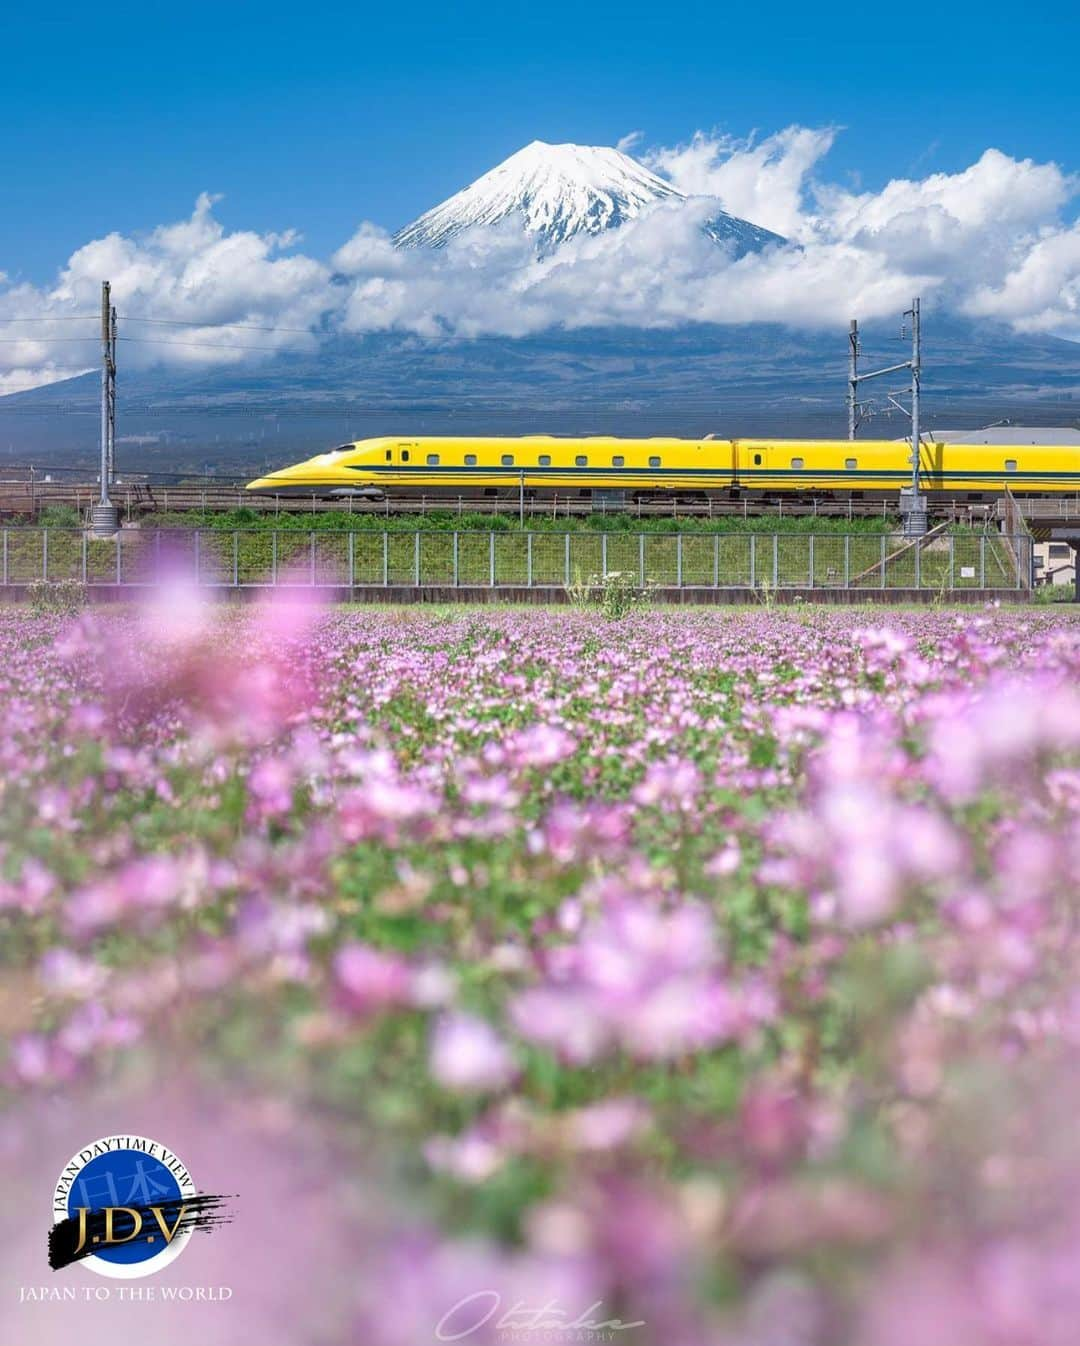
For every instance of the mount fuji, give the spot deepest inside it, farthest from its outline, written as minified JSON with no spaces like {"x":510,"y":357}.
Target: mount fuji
{"x":558,"y":191}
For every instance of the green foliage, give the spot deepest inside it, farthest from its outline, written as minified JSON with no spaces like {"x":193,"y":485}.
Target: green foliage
{"x":59,"y":516}
{"x":616,"y":593}
{"x":1047,"y":594}
{"x":64,"y":597}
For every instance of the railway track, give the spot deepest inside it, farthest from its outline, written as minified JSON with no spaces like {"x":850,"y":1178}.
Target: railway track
{"x":27,"y":499}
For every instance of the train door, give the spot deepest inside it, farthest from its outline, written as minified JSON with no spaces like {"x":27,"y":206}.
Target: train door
{"x":752,"y":465}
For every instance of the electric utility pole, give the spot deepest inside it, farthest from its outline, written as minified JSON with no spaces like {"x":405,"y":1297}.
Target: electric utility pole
{"x":912,"y":501}
{"x":104,"y":516}
{"x":853,"y":379}
{"x":917,"y":511}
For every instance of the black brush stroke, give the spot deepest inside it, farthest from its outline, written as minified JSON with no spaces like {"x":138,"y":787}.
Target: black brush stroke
{"x":200,"y":1212}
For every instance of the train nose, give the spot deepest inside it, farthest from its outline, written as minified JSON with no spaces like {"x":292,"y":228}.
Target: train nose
{"x":271,"y":483}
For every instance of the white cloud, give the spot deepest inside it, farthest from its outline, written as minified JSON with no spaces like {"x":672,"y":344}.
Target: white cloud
{"x":1042,"y":293}
{"x":994,"y":239}
{"x":192,"y":272}
{"x":763,"y":181}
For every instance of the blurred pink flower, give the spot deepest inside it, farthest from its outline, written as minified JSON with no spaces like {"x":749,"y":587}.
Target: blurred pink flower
{"x":468,"y":1056}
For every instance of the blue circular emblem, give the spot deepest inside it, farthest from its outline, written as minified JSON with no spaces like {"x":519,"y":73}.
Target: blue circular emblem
{"x":122,"y":1200}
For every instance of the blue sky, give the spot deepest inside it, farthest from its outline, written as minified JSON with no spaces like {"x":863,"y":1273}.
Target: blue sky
{"x":316,"y":117}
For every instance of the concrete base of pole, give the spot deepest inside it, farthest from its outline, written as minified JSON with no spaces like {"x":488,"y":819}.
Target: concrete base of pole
{"x":104,"y":520}
{"x":913,"y":513}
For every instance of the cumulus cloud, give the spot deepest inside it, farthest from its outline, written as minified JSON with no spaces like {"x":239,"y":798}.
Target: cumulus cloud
{"x":994,"y":239}
{"x":764,"y":181}
{"x":219,"y":298}
{"x":1042,"y":292}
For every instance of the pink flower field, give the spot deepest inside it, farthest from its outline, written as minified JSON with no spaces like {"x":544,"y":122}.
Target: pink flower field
{"x":702,"y":978}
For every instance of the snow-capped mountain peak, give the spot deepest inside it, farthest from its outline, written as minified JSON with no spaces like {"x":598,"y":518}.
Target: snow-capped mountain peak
{"x":558,"y":191}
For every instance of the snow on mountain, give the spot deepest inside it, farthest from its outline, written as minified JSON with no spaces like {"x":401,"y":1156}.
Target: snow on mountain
{"x":558,"y":191}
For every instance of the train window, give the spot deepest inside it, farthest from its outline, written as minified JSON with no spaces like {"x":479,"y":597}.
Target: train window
{"x":470,"y":460}
{"x":797,"y":464}
{"x":618,"y":461}
{"x":1010,"y":464}
{"x":404,"y":455}
{"x":433,"y":460}
{"x":545,"y":460}
{"x":581,"y":461}
{"x":654,"y":461}
{"x":389,"y":455}
{"x":508,"y":460}
{"x":851,"y":464}
{"x":757,"y":459}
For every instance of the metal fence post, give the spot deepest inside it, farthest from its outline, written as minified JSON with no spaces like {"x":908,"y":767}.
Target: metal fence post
{"x":753,"y":560}
{"x":313,"y":557}
{"x":85,"y":549}
{"x":119,"y":561}
{"x":198,"y":556}
{"x":982,"y":561}
{"x":678,"y":560}
{"x":352,"y":554}
{"x":45,"y":554}
{"x":491,"y":560}
{"x":918,"y":565}
{"x":810,"y":557}
{"x":236,"y":559}
{"x":952,"y":560}
{"x":457,"y":579}
{"x":883,"y":560}
{"x":385,"y":559}
{"x":603,"y":555}
{"x":416,"y":558}
{"x":847,"y":558}
{"x":6,"y":553}
{"x":157,"y":555}
{"x":566,"y":550}
{"x":273,"y":557}
{"x":715,"y":556}
{"x":776,"y":560}
{"x":641,"y":559}
{"x":528,"y":559}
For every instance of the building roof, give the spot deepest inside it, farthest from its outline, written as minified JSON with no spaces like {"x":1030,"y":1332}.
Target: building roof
{"x":1009,"y":434}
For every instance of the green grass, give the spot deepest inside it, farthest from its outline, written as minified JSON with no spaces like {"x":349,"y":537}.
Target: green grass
{"x":396,"y":557}
{"x":452,"y":521}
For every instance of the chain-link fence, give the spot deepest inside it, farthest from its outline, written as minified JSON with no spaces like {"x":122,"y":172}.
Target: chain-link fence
{"x":469,"y":559}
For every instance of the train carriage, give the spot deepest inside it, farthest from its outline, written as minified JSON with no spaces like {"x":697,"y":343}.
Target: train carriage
{"x":605,"y":467}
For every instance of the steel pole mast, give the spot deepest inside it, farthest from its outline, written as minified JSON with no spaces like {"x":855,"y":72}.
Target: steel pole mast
{"x":912,"y":501}
{"x":104,"y":516}
{"x":106,"y":352}
{"x":853,"y":379}
{"x":915,"y":514}
{"x":112,"y":398}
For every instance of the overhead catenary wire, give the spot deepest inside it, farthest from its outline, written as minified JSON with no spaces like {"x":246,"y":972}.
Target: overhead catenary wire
{"x":237,"y":326}
{"x":201,"y":345}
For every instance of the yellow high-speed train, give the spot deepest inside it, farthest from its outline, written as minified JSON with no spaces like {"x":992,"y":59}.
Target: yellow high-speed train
{"x":637,"y":469}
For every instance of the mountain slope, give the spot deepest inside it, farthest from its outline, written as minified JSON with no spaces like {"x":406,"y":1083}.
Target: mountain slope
{"x":738,"y":380}
{"x":557,"y":191}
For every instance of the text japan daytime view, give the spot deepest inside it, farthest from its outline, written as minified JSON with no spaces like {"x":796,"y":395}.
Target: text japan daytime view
{"x":540,"y":712}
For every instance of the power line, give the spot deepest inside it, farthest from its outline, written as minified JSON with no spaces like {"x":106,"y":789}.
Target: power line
{"x":59,"y":317}
{"x":200,"y":345}
{"x":161,"y":322}
{"x":22,"y":341}
{"x":239,"y":326}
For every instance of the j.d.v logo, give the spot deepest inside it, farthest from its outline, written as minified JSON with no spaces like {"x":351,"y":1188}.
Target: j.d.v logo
{"x":126,"y":1206}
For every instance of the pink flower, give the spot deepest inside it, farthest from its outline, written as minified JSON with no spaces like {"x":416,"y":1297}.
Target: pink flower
{"x":369,"y":981}
{"x":468,"y":1056}
{"x":540,"y":745}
